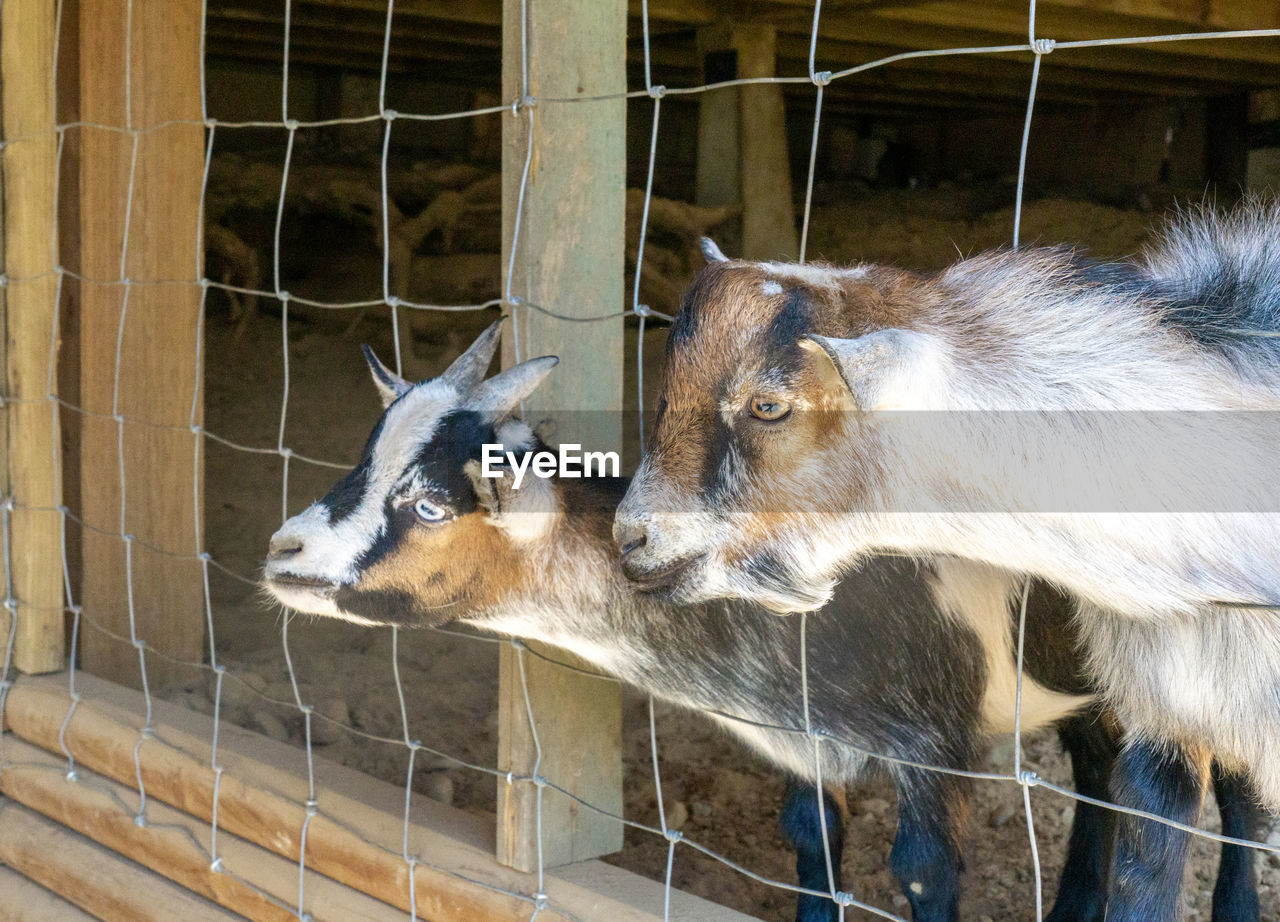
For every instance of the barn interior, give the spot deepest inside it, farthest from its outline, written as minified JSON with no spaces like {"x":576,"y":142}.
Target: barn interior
{"x":915,"y":162}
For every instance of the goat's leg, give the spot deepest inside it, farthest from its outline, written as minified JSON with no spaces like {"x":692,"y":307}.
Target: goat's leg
{"x":1092,"y":743}
{"x":932,"y":812}
{"x":1149,"y":859}
{"x":1235,"y":896}
{"x":802,"y":827}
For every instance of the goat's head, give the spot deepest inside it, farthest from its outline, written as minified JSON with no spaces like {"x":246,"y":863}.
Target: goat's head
{"x":414,"y":534}
{"x":764,"y":428}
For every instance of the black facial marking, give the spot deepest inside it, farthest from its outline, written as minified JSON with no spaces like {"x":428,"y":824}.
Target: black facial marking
{"x":385,"y":606}
{"x":459,"y":438}
{"x":685,"y":325}
{"x":344,"y":499}
{"x":793,"y":321}
{"x":719,"y":443}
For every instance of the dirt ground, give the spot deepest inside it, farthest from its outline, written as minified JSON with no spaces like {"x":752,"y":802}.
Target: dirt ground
{"x":729,"y":800}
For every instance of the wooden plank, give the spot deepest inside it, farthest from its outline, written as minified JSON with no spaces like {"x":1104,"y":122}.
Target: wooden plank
{"x":570,"y":259}
{"x":251,"y":881}
{"x":356,"y":838}
{"x":27,"y":901}
{"x":29,"y":306}
{"x":157,"y":372}
{"x":91,"y":877}
{"x":95,"y":808}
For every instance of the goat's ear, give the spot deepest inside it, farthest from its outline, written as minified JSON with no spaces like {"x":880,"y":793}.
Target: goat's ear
{"x":390,"y":385}
{"x":711,"y":252}
{"x":527,"y":514}
{"x":501,"y":394}
{"x":876,"y":369}
{"x":468,"y":369}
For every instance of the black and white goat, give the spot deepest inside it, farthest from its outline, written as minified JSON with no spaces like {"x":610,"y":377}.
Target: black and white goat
{"x":913,"y":666}
{"x":1094,"y":425}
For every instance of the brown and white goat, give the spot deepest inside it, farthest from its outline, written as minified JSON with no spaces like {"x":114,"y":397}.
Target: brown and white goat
{"x":911,"y":665}
{"x":1110,"y":428}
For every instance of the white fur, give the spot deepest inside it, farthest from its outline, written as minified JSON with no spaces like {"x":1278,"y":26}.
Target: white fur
{"x":1060,"y":356}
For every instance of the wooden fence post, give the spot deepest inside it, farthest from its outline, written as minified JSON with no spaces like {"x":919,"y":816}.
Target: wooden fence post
{"x":569,"y":258}
{"x":28,"y":304}
{"x":742,"y":138}
{"x":151,"y":180}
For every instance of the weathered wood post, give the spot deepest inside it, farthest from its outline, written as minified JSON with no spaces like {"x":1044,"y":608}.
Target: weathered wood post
{"x":149,"y":180}
{"x":28,"y":305}
{"x":742,"y":138}
{"x":569,"y":258}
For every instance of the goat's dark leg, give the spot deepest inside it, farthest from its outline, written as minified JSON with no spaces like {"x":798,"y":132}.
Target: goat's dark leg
{"x":1235,"y":896}
{"x":802,"y":827}
{"x":932,"y":811}
{"x":1082,"y":892}
{"x":1150,"y":857}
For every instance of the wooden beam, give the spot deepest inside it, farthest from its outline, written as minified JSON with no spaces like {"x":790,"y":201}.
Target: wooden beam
{"x":251,"y":881}
{"x":743,"y":129}
{"x":1008,"y":18}
{"x":157,"y":355}
{"x":95,"y":810}
{"x":835,"y":54}
{"x":570,"y":259}
{"x":91,"y":877}
{"x":488,"y":12}
{"x":27,"y":901}
{"x":1146,"y":16}
{"x":356,"y":836}
{"x":29,"y":310}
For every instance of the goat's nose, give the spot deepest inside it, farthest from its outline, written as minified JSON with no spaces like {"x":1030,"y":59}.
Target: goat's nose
{"x":283,"y":546}
{"x":630,"y":536}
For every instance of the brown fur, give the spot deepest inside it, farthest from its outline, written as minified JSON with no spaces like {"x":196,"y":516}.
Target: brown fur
{"x":469,"y":563}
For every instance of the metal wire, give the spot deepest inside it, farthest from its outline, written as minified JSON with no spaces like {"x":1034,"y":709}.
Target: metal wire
{"x":525,"y":108}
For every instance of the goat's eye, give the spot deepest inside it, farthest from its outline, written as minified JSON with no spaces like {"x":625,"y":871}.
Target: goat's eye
{"x":769,"y":409}
{"x":428,"y":512}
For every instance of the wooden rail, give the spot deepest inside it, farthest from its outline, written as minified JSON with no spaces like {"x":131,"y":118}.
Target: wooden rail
{"x":353,"y":843}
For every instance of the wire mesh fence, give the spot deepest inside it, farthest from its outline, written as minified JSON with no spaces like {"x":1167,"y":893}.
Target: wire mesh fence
{"x":527,"y":108}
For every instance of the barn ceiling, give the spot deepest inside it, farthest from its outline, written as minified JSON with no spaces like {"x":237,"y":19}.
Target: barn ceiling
{"x":459,"y":42}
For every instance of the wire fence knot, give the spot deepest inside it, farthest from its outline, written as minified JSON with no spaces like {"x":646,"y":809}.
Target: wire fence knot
{"x":821,"y":78}
{"x":1028,"y":778}
{"x":672,"y":835}
{"x":1043,"y":45}
{"x":390,"y":114}
{"x":643,"y":310}
{"x":841,"y":898}
{"x":657,"y":92}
